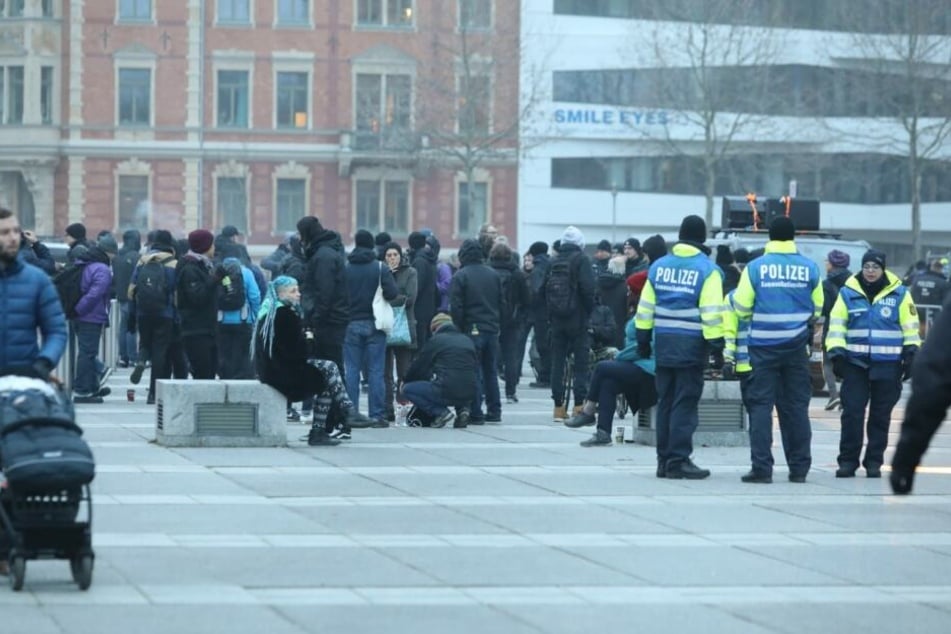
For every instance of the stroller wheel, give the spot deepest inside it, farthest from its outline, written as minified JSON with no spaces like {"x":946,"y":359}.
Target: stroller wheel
{"x":17,"y":573}
{"x":81,"y":567}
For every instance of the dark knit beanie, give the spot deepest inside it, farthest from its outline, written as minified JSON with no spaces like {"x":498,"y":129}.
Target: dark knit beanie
{"x":163,"y":241}
{"x":604,"y":245}
{"x":693,"y":229}
{"x":538,"y":248}
{"x":382,"y":238}
{"x":364,"y":239}
{"x":309,"y":228}
{"x":724,"y":256}
{"x":76,"y":231}
{"x":200,"y":240}
{"x":873,"y":255}
{"x":634,"y":243}
{"x":655,"y":247}
{"x":392,"y":246}
{"x":782,"y":228}
{"x":417,"y":241}
{"x":741,"y":256}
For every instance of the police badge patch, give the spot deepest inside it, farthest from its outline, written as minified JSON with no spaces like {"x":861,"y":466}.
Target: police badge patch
{"x":914,"y":310}
{"x":886,"y":312}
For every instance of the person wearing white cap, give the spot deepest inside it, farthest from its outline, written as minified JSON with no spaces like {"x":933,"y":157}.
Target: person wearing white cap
{"x":569,"y":295}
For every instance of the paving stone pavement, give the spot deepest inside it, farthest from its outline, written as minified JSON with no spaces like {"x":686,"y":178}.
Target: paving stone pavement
{"x":506,"y":528}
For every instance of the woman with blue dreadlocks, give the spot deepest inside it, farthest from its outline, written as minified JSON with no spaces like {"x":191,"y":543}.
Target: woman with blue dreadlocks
{"x":280,"y":355}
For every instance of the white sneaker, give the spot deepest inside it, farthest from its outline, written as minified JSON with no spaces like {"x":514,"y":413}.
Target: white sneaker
{"x":340,"y":434}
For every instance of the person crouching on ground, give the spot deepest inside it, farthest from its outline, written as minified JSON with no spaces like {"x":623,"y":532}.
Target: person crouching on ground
{"x":280,"y":355}
{"x":449,"y":359}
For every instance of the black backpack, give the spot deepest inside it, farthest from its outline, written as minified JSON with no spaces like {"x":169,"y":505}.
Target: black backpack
{"x":231,"y":293}
{"x":561,"y":287}
{"x":68,"y":283}
{"x":603,"y":326}
{"x":151,"y":287}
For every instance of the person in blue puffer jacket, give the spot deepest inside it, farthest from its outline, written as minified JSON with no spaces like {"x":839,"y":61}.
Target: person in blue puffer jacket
{"x":28,"y":302}
{"x":235,"y":327}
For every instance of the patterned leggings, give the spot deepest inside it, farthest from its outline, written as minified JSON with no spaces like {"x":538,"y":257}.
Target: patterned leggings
{"x":334,"y":394}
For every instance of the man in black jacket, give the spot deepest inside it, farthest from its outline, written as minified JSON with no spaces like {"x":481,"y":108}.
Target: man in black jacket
{"x":122,"y":267}
{"x":36,"y":253}
{"x":424,"y":260}
{"x":928,"y":405}
{"x":323,"y":287}
{"x":444,"y":374}
{"x":539,"y":310}
{"x":515,"y":292}
{"x":196,"y":280}
{"x":568,"y":320}
{"x":363,"y":343}
{"x":476,"y":302}
{"x":930,"y":289}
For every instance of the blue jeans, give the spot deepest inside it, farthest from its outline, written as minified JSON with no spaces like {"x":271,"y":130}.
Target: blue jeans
{"x":88,"y":336}
{"x":128,"y":348}
{"x":365,"y":346}
{"x":487,"y":352}
{"x":426,"y":397}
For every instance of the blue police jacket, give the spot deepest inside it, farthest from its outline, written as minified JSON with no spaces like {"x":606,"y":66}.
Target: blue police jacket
{"x":780,"y":293}
{"x":681,"y":307}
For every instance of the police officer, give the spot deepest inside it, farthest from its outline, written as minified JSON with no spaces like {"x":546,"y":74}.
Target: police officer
{"x":736,"y":334}
{"x":781,"y":292}
{"x":681,"y":307}
{"x":873,"y":338}
{"x":929,"y":290}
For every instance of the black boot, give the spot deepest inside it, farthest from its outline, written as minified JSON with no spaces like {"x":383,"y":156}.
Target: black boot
{"x":685,"y":470}
{"x":319,"y":437}
{"x":356,"y":420}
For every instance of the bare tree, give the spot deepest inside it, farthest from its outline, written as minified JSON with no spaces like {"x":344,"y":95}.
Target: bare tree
{"x":910,"y":69}
{"x":696,"y":46}
{"x":469,"y":111}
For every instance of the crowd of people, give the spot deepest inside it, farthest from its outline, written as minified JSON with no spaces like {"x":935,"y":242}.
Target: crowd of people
{"x":408,"y":328}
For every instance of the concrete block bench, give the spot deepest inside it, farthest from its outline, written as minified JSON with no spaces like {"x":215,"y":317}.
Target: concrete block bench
{"x":219,"y":414}
{"x":723,"y":419}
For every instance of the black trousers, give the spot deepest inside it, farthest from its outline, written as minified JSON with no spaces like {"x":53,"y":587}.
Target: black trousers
{"x":511,"y":362}
{"x":564,"y":342}
{"x":880,"y":395}
{"x":234,"y":346}
{"x":156,"y":336}
{"x":611,"y":378}
{"x":202,"y":353}
{"x":543,"y":346}
{"x":678,"y":399}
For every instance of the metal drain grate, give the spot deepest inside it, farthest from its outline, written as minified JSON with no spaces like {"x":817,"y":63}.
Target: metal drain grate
{"x":226,"y":419}
{"x":159,"y":416}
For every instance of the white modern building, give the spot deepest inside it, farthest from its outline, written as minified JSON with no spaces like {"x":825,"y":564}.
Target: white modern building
{"x":615,"y":146}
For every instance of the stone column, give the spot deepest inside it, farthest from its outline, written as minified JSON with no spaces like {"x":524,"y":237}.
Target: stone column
{"x":39,"y":180}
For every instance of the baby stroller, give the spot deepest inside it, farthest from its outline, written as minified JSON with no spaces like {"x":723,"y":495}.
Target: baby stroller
{"x":45,"y":501}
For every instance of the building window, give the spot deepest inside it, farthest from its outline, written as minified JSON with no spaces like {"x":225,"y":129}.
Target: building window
{"x":46,"y":94}
{"x":11,"y":94}
{"x":47,"y":8}
{"x":475,"y":14}
{"x":135,"y":9}
{"x":293,"y":11}
{"x":292,"y":100}
{"x":234,"y":11}
{"x":134,"y":202}
{"x":475,"y":99}
{"x":383,"y":206}
{"x":232,"y":202}
{"x":14,"y":8}
{"x":384,"y":107}
{"x":291,"y":203}
{"x":386,"y":13}
{"x":473,"y":216}
{"x":135,"y":96}
{"x":233,"y":98}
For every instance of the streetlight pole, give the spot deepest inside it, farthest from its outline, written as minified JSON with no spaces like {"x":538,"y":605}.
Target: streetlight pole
{"x":613,"y":214}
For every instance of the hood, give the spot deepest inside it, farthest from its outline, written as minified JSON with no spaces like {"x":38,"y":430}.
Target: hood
{"x":92,"y":253}
{"x":231,"y":262}
{"x":888,"y":283}
{"x":544,"y":258}
{"x":609,"y":281}
{"x":433,"y":243}
{"x":131,"y":240}
{"x":696,"y":245}
{"x":507,"y":264}
{"x":325,"y":238}
{"x":568,"y":247}
{"x":155,"y":255}
{"x":637,"y":281}
{"x":471,"y":253}
{"x":838,"y":276}
{"x":362,"y":255}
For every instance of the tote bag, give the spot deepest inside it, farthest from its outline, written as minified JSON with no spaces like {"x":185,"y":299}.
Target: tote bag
{"x":382,"y":311}
{"x":400,"y":335}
